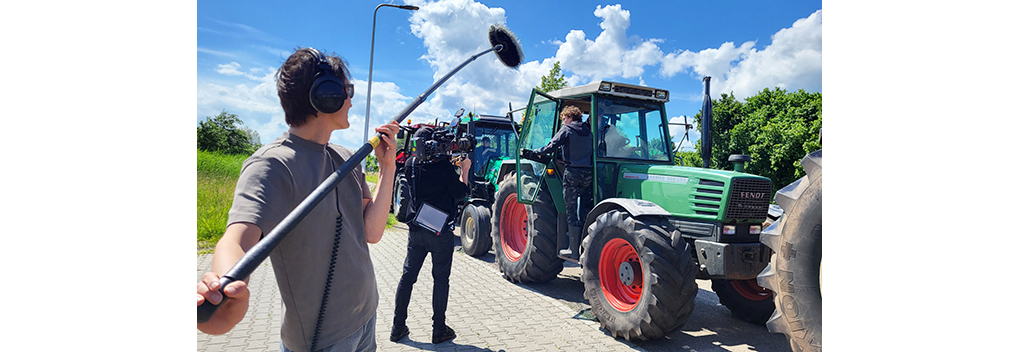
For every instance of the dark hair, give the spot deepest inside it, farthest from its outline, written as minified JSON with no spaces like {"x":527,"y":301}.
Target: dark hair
{"x":572,"y":113}
{"x":294,"y":80}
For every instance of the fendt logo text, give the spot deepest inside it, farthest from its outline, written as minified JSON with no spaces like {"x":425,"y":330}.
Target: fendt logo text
{"x":755,"y":195}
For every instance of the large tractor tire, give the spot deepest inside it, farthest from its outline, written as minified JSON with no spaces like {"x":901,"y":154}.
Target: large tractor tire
{"x":400,"y":191}
{"x":638,"y":285}
{"x":745,"y":299}
{"x":475,"y":238}
{"x":795,"y":270}
{"x":525,"y":235}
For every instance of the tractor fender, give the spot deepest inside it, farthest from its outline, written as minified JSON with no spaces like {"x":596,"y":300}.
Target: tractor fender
{"x":507,"y":167}
{"x":636,"y":208}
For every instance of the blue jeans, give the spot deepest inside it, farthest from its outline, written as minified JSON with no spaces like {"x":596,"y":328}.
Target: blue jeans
{"x":362,"y":340}
{"x":421,"y":242}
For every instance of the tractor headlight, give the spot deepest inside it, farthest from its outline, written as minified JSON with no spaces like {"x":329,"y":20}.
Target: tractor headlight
{"x":755,"y":229}
{"x":606,"y":86}
{"x":729,"y":230}
{"x":661,"y":94}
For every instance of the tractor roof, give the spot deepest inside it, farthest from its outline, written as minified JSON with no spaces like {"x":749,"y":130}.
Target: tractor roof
{"x":613,"y":88}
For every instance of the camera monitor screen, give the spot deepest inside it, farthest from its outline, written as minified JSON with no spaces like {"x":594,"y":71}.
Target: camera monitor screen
{"x":431,"y":218}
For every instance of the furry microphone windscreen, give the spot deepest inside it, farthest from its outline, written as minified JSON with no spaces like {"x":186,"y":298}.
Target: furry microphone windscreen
{"x":511,"y":54}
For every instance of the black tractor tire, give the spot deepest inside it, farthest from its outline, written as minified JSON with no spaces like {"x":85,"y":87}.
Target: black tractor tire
{"x":794,"y":272}
{"x":400,"y":191}
{"x":659,"y":299}
{"x":475,"y":238}
{"x":745,"y":299}
{"x":534,"y":258}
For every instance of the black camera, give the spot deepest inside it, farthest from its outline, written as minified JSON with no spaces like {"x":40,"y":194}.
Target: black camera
{"x":445,"y":140}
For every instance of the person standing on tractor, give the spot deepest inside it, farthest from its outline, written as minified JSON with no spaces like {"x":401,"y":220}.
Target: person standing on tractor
{"x":576,"y":139}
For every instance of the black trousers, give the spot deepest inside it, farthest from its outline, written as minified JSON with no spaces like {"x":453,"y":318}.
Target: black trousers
{"x":421,"y":242}
{"x":577,"y":184}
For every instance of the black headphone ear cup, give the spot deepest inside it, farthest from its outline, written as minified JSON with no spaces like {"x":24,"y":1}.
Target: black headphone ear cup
{"x":327,"y":93}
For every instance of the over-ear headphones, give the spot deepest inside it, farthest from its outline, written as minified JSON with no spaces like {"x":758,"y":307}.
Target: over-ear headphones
{"x":328,"y":93}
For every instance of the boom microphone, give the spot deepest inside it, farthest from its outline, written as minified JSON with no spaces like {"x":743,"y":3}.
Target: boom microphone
{"x":507,"y":49}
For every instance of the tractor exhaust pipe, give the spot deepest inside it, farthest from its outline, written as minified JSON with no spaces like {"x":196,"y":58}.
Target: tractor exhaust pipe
{"x":706,"y":125}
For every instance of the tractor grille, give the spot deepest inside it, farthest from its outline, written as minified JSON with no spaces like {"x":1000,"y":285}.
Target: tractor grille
{"x":707,"y":193}
{"x":749,"y":199}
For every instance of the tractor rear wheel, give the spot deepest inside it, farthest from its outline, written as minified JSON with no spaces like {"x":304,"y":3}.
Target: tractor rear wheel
{"x":638,"y":285}
{"x":525,"y":235}
{"x":474,"y":230}
{"x":745,"y":299}
{"x":795,"y":270}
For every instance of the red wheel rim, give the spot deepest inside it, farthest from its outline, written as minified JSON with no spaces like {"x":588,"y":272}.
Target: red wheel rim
{"x":513,"y":228}
{"x":621,"y":284}
{"x":749,"y":289}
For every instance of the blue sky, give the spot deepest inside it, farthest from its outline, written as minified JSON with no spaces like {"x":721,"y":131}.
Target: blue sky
{"x":744,"y":46}
{"x":101,"y":97}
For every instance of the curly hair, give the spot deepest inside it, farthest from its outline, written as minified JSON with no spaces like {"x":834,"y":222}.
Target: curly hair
{"x":572,"y":113}
{"x":294,"y":80}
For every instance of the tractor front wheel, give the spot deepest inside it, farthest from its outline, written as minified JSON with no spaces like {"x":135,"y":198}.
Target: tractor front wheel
{"x":638,"y":285}
{"x":474,"y":230}
{"x":525,"y":235}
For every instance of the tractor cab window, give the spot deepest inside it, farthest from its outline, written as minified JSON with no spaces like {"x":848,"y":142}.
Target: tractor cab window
{"x":494,"y":143}
{"x":630,"y":129}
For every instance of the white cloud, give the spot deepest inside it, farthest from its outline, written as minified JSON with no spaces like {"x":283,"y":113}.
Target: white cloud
{"x":253,"y":100}
{"x":792,"y":61}
{"x":612,"y":53}
{"x":455,"y":30}
{"x":230,"y":69}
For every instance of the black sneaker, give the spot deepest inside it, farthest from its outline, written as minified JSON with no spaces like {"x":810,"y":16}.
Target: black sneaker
{"x":443,"y":335}
{"x":398,"y":333}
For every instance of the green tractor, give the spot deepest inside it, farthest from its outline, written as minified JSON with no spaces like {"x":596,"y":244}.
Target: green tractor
{"x":655,"y":227}
{"x":496,"y":138}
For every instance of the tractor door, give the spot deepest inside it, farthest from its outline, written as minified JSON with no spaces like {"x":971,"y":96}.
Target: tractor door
{"x":537,"y":131}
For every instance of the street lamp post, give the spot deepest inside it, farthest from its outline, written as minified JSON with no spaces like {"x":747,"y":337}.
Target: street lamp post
{"x":371,"y":59}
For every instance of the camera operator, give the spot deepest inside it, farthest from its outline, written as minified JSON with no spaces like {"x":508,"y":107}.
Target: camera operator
{"x":438,"y":185}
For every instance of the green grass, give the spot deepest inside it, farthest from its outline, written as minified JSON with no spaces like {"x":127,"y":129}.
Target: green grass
{"x":217,"y":176}
{"x":373,"y":178}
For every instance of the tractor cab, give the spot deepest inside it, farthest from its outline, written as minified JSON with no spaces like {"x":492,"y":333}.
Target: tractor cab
{"x":628,"y":123}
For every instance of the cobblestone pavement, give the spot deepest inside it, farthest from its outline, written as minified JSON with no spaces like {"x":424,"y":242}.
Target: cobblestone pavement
{"x":488,"y":312}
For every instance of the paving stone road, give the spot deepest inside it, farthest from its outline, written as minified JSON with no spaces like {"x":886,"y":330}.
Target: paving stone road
{"x":490,"y":313}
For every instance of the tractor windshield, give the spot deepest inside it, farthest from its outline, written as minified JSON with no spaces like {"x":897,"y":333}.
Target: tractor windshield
{"x":631,"y":129}
{"x":494,"y":142}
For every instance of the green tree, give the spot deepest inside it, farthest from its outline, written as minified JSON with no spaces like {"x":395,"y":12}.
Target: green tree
{"x":688,"y":158}
{"x":371,"y":163}
{"x":226,"y":133}
{"x":775,"y":128}
{"x":554,"y":80}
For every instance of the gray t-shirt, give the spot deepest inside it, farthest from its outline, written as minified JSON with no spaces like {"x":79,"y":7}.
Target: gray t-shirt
{"x":273,"y":182}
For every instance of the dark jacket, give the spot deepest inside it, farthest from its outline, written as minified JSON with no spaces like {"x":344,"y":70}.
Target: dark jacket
{"x":436,"y":183}
{"x":575,"y":138}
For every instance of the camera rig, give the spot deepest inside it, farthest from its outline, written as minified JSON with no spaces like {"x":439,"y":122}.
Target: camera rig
{"x":446,"y":139}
